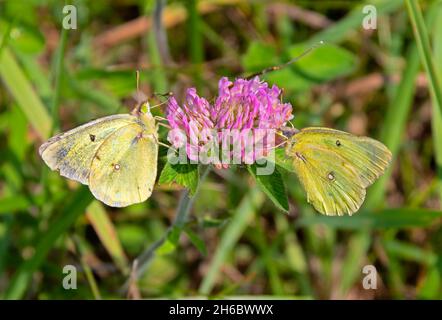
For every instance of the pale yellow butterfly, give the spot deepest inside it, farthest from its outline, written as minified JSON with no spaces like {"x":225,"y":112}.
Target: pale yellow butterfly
{"x":115,"y":155}
{"x":335,"y":167}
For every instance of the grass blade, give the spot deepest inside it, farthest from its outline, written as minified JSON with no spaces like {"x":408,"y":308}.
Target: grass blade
{"x":437,"y":117}
{"x":24,"y":94}
{"x":410,"y":252}
{"x":242,"y":216}
{"x":423,"y":45}
{"x":105,"y":230}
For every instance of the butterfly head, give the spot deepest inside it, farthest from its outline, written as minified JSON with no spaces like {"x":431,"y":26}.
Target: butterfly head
{"x":142,"y":111}
{"x":288,"y":132}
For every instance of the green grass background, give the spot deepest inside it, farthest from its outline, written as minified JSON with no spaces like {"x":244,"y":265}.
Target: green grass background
{"x":384,"y":83}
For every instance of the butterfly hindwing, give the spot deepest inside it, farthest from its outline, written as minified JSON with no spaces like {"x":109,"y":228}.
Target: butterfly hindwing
{"x":124,"y":169}
{"x":335,"y":167}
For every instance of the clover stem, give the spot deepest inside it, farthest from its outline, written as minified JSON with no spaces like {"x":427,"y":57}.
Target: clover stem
{"x":184,"y":206}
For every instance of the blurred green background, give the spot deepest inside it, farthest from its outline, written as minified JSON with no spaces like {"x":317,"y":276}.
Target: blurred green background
{"x":236,"y":242}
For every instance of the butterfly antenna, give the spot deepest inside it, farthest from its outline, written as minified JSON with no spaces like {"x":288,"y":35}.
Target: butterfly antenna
{"x":140,"y":97}
{"x":293,"y":60}
{"x":137,"y":109}
{"x":137,"y":75}
{"x":168,"y":95}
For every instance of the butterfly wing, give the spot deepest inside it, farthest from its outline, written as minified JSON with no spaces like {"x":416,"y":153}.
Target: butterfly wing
{"x":124,"y":168}
{"x":335,"y":167}
{"x":72,"y":152}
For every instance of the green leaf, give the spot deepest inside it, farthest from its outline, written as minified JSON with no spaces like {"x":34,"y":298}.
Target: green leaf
{"x":167,"y":247}
{"x":197,"y":241}
{"x":323,"y":64}
{"x":320,"y":65}
{"x":259,"y":56}
{"x":23,"y":38}
{"x":171,"y":242}
{"x":183,"y":174}
{"x":282,"y":160}
{"x":272,"y":185}
{"x":210,"y":222}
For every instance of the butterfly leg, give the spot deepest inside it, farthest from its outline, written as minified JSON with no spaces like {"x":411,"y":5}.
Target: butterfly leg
{"x":164,"y":145}
{"x":278,"y":145}
{"x":160,"y":123}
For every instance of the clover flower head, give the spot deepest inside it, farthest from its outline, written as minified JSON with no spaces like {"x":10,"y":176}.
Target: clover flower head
{"x":241,"y":109}
{"x":246,"y":104}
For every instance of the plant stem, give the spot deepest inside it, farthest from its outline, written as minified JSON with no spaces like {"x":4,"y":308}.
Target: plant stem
{"x":184,"y":206}
{"x":160,"y":33}
{"x":58,"y":66}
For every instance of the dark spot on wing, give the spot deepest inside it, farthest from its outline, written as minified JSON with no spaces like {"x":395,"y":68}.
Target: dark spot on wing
{"x":134,"y":141}
{"x":92,"y":137}
{"x":331,"y":176}
{"x":138,"y":137}
{"x":97,"y":157}
{"x":61,"y":153}
{"x":338,"y":143}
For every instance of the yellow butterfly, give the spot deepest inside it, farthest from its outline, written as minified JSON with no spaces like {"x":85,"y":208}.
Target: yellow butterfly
{"x":335,"y":167}
{"x":115,"y":155}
